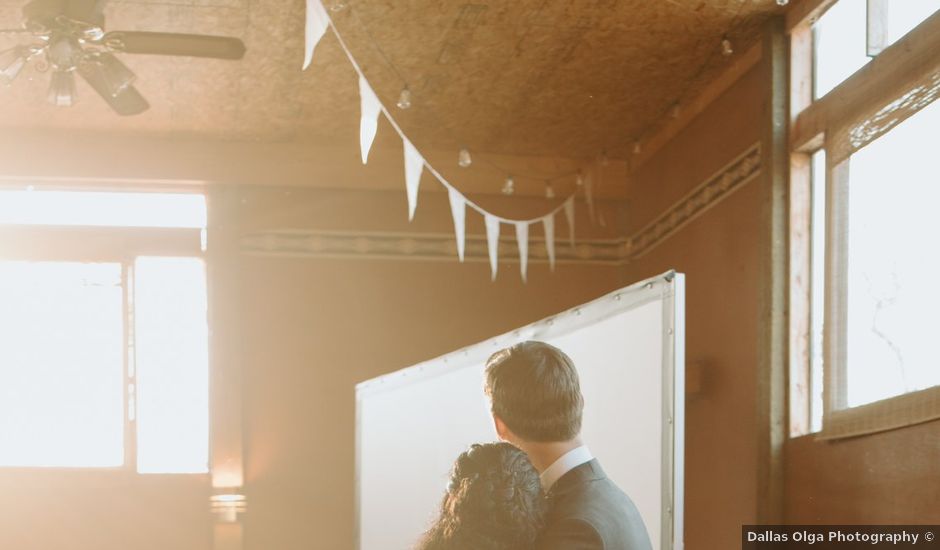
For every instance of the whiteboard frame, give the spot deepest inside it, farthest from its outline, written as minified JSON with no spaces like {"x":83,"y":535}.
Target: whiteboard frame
{"x":670,"y":288}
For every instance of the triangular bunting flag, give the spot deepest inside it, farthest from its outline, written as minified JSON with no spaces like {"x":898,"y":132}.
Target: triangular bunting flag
{"x":369,"y":123}
{"x":492,"y":242}
{"x":522,"y":239}
{"x":458,"y":208}
{"x":414,"y":163}
{"x":569,"y":216}
{"x":549,"y":223}
{"x":317,"y":23}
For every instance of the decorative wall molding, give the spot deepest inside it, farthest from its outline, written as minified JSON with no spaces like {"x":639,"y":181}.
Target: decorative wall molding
{"x":422,"y":246}
{"x":712,"y":191}
{"x":443,"y":246}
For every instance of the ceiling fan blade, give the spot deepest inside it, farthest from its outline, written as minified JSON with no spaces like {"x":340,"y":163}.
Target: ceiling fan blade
{"x":163,"y":43}
{"x":127,"y":102}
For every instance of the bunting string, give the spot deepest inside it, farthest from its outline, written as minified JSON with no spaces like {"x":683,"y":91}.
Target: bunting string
{"x":318,"y":21}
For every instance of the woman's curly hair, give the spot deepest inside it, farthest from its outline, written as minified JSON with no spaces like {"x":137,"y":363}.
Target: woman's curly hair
{"x":494,"y":502}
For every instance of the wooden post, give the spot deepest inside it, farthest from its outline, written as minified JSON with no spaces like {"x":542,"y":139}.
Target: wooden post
{"x":774,"y":276}
{"x":226,"y":460}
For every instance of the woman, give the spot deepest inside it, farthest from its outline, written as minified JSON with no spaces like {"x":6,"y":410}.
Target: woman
{"x":494,"y":502}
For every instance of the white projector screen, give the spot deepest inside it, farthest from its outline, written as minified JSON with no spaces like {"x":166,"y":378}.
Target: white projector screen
{"x":628,"y":348}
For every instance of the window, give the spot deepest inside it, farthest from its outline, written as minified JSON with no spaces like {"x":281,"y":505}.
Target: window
{"x":893,"y":263}
{"x":851,"y":32}
{"x":103,"y":346}
{"x":61,"y":364}
{"x":817,"y":284}
{"x":839,"y":44}
{"x":862,"y":228}
{"x":171,"y":338}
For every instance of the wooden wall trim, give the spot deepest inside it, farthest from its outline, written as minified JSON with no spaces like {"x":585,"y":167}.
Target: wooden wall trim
{"x":773,"y":281}
{"x":226,"y":430}
{"x":425,"y":247}
{"x":670,"y":127}
{"x":744,"y":168}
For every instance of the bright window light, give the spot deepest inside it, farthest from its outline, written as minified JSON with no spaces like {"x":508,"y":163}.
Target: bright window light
{"x":894,"y":263}
{"x":73,"y":379}
{"x":61,"y":364}
{"x":904,"y":15}
{"x":172,"y":365}
{"x":840,"y":44}
{"x":185,"y":210}
{"x":841,"y":36}
{"x":818,"y":287}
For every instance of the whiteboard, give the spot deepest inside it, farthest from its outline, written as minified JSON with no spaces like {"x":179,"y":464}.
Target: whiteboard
{"x":628,"y":348}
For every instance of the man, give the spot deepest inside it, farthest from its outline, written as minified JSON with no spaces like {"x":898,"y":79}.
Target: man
{"x":537,"y":405}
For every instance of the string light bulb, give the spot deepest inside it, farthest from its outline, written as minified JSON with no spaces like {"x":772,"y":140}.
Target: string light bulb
{"x":404,"y":99}
{"x":675,"y":110}
{"x":463,"y":158}
{"x":726,"y":47}
{"x":637,"y":147}
{"x":549,"y":190}
{"x":579,"y":181}
{"x":783,"y":2}
{"x":509,"y":186}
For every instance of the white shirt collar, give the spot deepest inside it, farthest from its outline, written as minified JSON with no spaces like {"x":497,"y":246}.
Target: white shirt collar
{"x":567,"y":462}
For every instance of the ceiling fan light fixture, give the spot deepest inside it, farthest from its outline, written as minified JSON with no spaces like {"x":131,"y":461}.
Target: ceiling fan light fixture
{"x":12,"y":62}
{"x":64,"y":52}
{"x":62,"y":88}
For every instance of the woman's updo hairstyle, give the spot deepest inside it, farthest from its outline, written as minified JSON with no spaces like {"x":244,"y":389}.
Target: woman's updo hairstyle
{"x":494,"y":501}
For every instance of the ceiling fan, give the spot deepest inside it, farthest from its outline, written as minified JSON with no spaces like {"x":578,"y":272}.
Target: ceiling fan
{"x":68,"y":37}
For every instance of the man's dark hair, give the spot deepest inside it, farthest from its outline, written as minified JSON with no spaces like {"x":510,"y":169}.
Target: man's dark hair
{"x":533,"y":388}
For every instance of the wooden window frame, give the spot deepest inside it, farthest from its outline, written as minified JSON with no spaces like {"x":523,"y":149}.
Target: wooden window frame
{"x":903,"y":79}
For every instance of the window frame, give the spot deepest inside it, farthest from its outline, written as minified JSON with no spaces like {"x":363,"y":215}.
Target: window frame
{"x":107,"y":244}
{"x":853,"y":114}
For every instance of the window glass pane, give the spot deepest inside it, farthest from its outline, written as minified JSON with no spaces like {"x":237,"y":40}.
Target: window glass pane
{"x":61,"y":364}
{"x":894,"y":262}
{"x":818,"y":287}
{"x":904,"y":15}
{"x":103,"y":209}
{"x":172,"y":364}
{"x":839,"y":44}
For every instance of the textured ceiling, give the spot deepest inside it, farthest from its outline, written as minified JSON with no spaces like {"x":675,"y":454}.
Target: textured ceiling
{"x":526,"y":77}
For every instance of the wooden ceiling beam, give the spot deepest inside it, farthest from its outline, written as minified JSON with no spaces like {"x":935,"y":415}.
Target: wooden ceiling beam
{"x":806,"y":12}
{"x":671,"y":126}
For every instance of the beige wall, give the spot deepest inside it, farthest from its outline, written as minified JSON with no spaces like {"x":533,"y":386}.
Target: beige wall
{"x":103,"y":510}
{"x":884,"y":478}
{"x":718,"y":253}
{"x":312,"y":328}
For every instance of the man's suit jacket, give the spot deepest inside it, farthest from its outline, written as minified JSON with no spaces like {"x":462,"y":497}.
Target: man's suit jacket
{"x":588,"y":512}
